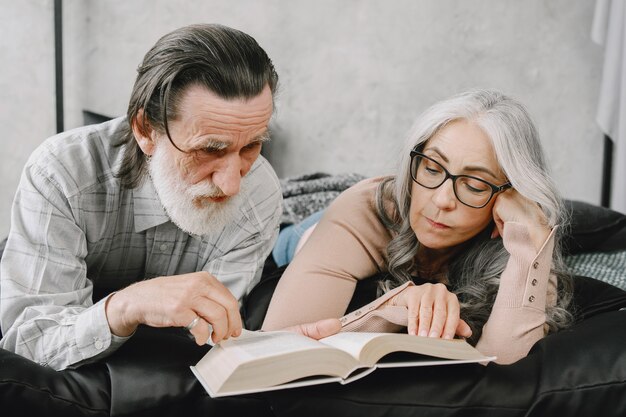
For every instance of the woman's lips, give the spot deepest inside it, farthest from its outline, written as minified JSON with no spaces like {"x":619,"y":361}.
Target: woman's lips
{"x":436,"y":225}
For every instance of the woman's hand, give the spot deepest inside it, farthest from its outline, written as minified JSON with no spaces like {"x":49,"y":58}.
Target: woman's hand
{"x":433,"y":311}
{"x":511,"y":206}
{"x":318,"y":329}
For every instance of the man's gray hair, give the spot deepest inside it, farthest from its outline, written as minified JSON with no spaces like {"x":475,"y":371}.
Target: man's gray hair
{"x":225,"y":61}
{"x":475,"y":275}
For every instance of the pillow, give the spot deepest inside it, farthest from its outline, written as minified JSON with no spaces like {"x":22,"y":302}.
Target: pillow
{"x":594,"y":228}
{"x":580,"y":371}
{"x":592,"y":297}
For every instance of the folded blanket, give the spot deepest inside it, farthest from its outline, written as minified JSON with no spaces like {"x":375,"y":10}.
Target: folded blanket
{"x":609,"y":267}
{"x":306,"y":194}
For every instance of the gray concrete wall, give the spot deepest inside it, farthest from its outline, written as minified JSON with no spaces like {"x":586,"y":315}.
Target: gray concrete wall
{"x":26,"y":90}
{"x":354,"y":74}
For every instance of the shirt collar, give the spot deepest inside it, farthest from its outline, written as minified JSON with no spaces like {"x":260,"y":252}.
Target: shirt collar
{"x":148,"y":210}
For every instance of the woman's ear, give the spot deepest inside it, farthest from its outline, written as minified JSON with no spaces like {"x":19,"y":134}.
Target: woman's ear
{"x":143,"y":133}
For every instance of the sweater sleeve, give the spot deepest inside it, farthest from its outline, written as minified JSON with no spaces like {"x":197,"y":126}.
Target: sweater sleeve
{"x":347,"y":244}
{"x":518,"y":316}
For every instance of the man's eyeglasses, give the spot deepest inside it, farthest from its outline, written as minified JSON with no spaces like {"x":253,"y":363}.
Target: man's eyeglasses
{"x":471,"y":191}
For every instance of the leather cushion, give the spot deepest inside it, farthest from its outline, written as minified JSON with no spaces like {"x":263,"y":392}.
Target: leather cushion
{"x":581,"y":371}
{"x":593,"y":228}
{"x":28,"y":389}
{"x":575,"y":370}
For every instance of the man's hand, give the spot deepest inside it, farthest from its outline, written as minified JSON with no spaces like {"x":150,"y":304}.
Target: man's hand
{"x":175,"y":301}
{"x":317,"y":330}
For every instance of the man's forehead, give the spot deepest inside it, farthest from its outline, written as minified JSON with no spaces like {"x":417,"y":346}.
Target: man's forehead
{"x":201,"y":93}
{"x":201,"y":109}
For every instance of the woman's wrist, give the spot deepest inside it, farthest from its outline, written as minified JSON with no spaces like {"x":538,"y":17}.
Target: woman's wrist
{"x":538,"y":235}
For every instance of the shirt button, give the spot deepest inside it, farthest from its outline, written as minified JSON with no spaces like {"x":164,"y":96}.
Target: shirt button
{"x":163,"y":247}
{"x":531,"y":298}
{"x":534,"y":282}
{"x":98,"y":344}
{"x":536,"y":265}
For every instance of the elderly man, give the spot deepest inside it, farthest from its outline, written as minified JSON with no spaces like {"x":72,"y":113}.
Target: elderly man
{"x":163,"y":217}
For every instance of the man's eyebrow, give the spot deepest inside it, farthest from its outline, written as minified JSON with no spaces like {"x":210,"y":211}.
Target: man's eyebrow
{"x":214,"y":143}
{"x":217,"y":143}
{"x":470,"y":168}
{"x":263,"y":137}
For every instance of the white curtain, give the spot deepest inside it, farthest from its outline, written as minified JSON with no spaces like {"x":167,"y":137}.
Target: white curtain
{"x":609,"y":30}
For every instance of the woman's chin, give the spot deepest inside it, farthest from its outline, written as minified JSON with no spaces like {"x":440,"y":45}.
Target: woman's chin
{"x":429,"y":241}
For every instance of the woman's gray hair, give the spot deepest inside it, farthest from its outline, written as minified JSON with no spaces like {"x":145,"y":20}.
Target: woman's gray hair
{"x":475,"y":275}
{"x":225,"y":61}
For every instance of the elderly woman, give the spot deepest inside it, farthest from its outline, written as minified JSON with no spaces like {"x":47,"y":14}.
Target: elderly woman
{"x":467,"y":233}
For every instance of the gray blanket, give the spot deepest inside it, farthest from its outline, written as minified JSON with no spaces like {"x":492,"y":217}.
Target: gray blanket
{"x":306,"y":194}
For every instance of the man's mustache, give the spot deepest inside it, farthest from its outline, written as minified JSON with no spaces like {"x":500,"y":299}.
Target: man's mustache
{"x":205,"y":190}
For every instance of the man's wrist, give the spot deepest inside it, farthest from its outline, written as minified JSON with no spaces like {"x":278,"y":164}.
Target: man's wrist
{"x":117,"y":313}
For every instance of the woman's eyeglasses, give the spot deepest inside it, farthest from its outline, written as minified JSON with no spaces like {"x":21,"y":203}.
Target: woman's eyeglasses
{"x":471,"y":191}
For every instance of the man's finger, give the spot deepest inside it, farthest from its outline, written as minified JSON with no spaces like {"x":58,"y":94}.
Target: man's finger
{"x":200,"y":331}
{"x":216,"y":292}
{"x":217,"y":316}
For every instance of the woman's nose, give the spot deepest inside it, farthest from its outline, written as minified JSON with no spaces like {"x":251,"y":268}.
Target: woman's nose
{"x":444,"y":197}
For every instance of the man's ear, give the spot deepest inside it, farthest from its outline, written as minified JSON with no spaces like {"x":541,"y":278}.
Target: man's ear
{"x":143,"y":133}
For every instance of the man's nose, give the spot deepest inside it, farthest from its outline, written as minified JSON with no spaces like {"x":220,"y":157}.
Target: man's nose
{"x":228,"y":177}
{"x":444,"y":197}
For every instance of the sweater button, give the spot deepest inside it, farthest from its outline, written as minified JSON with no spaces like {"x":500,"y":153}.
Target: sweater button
{"x":536,"y":265}
{"x":533,"y":282}
{"x":531,"y":298}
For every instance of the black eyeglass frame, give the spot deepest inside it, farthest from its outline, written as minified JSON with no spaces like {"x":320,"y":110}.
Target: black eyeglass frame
{"x":495,"y":189}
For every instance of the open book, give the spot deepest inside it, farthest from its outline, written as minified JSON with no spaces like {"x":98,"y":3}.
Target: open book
{"x":265,"y":361}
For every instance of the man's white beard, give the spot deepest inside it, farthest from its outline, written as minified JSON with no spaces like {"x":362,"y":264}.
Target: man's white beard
{"x":188,"y":205}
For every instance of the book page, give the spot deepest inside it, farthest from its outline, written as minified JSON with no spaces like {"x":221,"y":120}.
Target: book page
{"x":369,"y":348}
{"x":350,"y":342}
{"x":252,"y":345}
{"x":261,"y":360}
